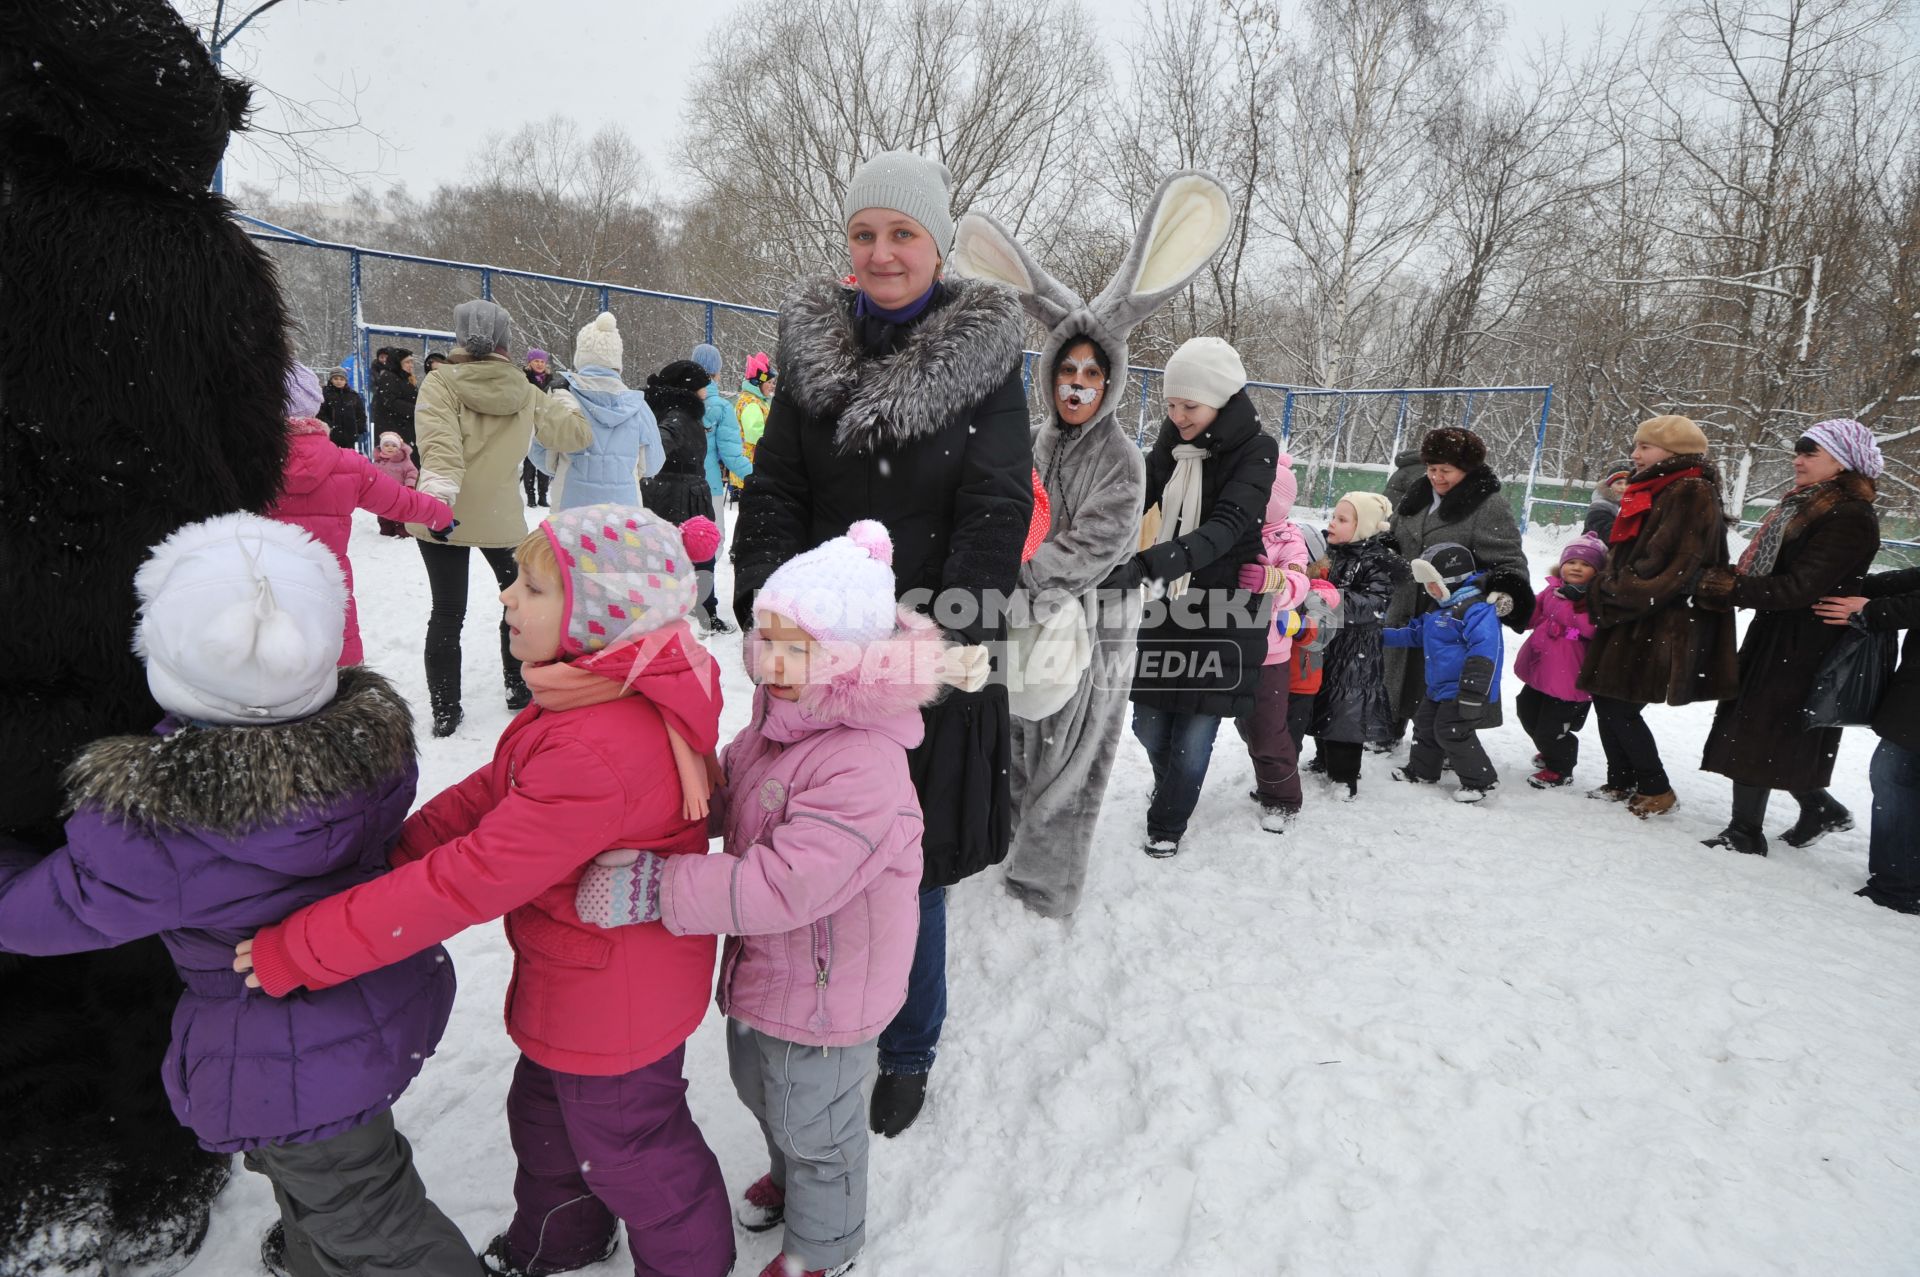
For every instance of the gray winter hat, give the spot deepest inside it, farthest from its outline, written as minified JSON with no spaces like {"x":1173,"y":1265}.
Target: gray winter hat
{"x":907,"y":183}
{"x":481,"y":327}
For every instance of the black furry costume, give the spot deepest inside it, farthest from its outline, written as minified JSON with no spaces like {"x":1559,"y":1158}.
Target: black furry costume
{"x":142,"y":355}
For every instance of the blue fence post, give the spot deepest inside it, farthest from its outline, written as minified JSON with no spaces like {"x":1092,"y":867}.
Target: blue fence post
{"x":1026,"y":372}
{"x":709,"y":337}
{"x":1399,"y":430}
{"x":486,"y":283}
{"x":1286,"y":418}
{"x":357,"y":317}
{"x":1539,"y":447}
{"x":1466,"y":413}
{"x":605,"y":298}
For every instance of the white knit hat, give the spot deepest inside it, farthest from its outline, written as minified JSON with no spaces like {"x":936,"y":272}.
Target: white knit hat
{"x":841,"y":591}
{"x":241,"y":621}
{"x":1371,"y":513}
{"x":1206,"y":370}
{"x":599,"y":344}
{"x":906,"y":183}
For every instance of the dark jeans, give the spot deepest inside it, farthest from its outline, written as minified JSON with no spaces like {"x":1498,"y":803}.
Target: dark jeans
{"x":1276,"y":759}
{"x":447,"y":578}
{"x":1179,"y":746}
{"x":1440,"y":732}
{"x":1893,"y":855}
{"x":907,"y":1045}
{"x":1633,"y":756}
{"x":354,"y":1204}
{"x":533,"y":483}
{"x":1553,"y":725}
{"x":597,"y":1151}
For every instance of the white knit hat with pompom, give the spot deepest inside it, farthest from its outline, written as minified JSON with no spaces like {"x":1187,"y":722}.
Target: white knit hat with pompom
{"x":241,"y":621}
{"x":598,"y":345}
{"x":841,"y":591}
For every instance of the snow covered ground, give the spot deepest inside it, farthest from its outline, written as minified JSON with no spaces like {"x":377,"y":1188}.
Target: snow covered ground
{"x":1530,"y":1037}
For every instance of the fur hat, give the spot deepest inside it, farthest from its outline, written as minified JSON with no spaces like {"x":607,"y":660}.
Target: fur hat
{"x":1678,"y":435}
{"x":481,"y":327}
{"x":241,"y":621}
{"x":303,"y":391}
{"x":625,"y":571}
{"x":598,"y":345}
{"x":1286,"y":488}
{"x":1453,"y":446}
{"x":842,"y":591}
{"x":1206,"y":370}
{"x":1588,"y":549}
{"x":681,"y":374}
{"x":906,"y":183}
{"x":1371,"y":513}
{"x":707,"y":355}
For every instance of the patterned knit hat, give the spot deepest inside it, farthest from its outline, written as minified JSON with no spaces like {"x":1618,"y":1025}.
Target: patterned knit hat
{"x":626,"y":574}
{"x":842,"y":591}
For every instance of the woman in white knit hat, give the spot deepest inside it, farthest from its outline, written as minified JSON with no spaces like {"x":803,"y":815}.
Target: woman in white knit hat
{"x":1201,"y":648}
{"x":901,"y":400}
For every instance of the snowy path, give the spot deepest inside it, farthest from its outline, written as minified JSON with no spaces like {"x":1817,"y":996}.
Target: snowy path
{"x":1533,"y":1037}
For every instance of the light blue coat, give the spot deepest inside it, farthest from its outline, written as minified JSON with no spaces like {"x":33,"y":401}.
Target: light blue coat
{"x":624,"y":432}
{"x":723,"y":441}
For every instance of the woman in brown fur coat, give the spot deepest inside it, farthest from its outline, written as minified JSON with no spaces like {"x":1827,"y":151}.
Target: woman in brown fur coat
{"x":1651,"y":646}
{"x":1818,"y":541}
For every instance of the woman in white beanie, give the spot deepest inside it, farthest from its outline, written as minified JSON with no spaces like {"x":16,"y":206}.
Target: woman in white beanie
{"x":1201,"y":649}
{"x":901,"y":401}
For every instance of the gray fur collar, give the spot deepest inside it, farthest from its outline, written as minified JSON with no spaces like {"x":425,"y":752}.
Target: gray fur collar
{"x":233,"y":779}
{"x":953,"y":358}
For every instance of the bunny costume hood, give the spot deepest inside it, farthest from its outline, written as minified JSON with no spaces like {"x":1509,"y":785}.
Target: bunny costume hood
{"x":1095,"y":480}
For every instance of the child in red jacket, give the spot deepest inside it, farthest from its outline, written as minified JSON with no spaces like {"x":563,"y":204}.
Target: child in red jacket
{"x":607,"y":756}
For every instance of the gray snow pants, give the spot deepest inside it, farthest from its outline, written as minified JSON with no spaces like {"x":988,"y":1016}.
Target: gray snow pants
{"x":811,"y":1105}
{"x":353,"y":1206}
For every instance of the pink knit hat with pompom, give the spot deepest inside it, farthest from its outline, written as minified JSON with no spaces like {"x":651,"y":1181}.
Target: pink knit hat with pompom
{"x":1285,"y":489}
{"x":841,"y":591}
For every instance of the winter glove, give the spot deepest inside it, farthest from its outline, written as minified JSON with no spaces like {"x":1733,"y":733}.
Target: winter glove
{"x":966,"y":668}
{"x":1476,"y":680}
{"x":441,"y":534}
{"x":618,"y":892}
{"x":1262,"y":579}
{"x":1131,"y":574}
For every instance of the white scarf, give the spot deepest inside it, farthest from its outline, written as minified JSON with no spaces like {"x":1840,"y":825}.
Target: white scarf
{"x":1182,"y":497}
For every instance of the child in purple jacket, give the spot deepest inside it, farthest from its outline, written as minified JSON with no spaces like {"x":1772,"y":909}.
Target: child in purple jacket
{"x":1552,"y":707}
{"x":275,"y":780}
{"x":818,"y":889}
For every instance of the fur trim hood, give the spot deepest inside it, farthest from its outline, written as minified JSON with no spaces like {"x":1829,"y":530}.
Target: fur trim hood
{"x":956,"y":355}
{"x":234,"y":779}
{"x":1480,"y":483}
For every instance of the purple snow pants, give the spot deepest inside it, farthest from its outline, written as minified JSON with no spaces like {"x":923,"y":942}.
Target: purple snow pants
{"x":594,"y":1151}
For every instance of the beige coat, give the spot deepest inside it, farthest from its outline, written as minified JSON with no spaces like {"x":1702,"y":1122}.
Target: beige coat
{"x":474,"y":421}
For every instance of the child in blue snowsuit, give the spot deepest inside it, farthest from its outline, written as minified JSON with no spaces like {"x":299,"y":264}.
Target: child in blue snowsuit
{"x":1461,"y":638}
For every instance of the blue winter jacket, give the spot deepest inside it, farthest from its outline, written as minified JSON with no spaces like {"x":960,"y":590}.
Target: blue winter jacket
{"x":723,"y":441}
{"x":624,"y":431}
{"x":1461,"y":639}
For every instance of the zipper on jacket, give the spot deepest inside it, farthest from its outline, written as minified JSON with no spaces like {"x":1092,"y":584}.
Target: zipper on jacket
{"x":822,"y":967}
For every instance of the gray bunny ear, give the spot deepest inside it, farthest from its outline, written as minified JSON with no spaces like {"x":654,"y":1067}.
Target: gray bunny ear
{"x":1187,"y":221}
{"x":982,"y":249}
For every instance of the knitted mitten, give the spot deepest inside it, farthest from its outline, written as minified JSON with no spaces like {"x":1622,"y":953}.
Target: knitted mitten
{"x":620,"y":895}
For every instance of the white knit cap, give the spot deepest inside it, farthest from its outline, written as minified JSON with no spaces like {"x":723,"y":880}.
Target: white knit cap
{"x":906,"y":183}
{"x":599,"y":344}
{"x":841,"y":591}
{"x":1206,"y":370}
{"x":241,"y":621}
{"x":1371,"y":513}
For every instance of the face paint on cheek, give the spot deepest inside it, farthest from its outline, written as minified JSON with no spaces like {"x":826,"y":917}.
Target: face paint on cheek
{"x":1077,"y":396}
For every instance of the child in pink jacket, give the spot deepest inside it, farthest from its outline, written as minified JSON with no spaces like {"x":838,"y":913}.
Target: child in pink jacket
{"x":1280,"y":572}
{"x":393,"y":458}
{"x":1552,"y":707}
{"x":818,"y":892}
{"x":324,"y":483}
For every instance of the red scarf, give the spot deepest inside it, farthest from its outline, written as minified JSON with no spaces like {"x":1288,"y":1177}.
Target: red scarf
{"x":1639,"y":500}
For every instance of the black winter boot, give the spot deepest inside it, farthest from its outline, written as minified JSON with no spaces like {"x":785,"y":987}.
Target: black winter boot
{"x":519,"y":695}
{"x":897,"y":1099}
{"x":443,"y":692}
{"x":1820,"y":815}
{"x":1744,"y":834}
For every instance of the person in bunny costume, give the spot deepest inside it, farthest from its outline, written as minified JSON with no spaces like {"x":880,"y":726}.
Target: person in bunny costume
{"x":1095,"y":479}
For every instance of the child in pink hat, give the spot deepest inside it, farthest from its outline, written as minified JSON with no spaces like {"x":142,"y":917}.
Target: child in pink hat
{"x":1552,"y":707}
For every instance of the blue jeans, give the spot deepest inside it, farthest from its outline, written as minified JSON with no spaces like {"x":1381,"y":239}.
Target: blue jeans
{"x":1893,"y":853}
{"x":1179,"y":746}
{"x":907,"y":1045}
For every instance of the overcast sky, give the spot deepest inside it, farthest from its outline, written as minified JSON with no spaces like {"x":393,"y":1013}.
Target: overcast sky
{"x":433,"y":79}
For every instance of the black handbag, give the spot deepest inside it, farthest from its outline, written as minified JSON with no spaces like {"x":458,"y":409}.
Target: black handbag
{"x":1853,"y":677}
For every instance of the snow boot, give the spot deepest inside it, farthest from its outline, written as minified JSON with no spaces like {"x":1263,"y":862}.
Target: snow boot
{"x":1647,"y":806}
{"x":495,"y":1261}
{"x":443,"y":692}
{"x":1472,"y":793}
{"x":1909,"y":904}
{"x":897,"y":1099}
{"x":1612,"y":793}
{"x":518,"y":695}
{"x":1161,"y":848}
{"x":1317,"y":765}
{"x":1276,"y":818}
{"x":1406,"y":776}
{"x":783,"y":1266}
{"x":1547,"y":778}
{"x":1820,"y":815}
{"x":1539,"y":760}
{"x":763,"y":1206}
{"x":1353,"y":792}
{"x":1745,"y":839}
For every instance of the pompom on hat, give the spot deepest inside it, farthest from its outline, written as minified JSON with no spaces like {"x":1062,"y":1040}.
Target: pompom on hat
{"x":842,"y":591}
{"x":1286,"y":490}
{"x":241,"y":621}
{"x":598,"y":345}
{"x":626,"y":572}
{"x":303,"y":391}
